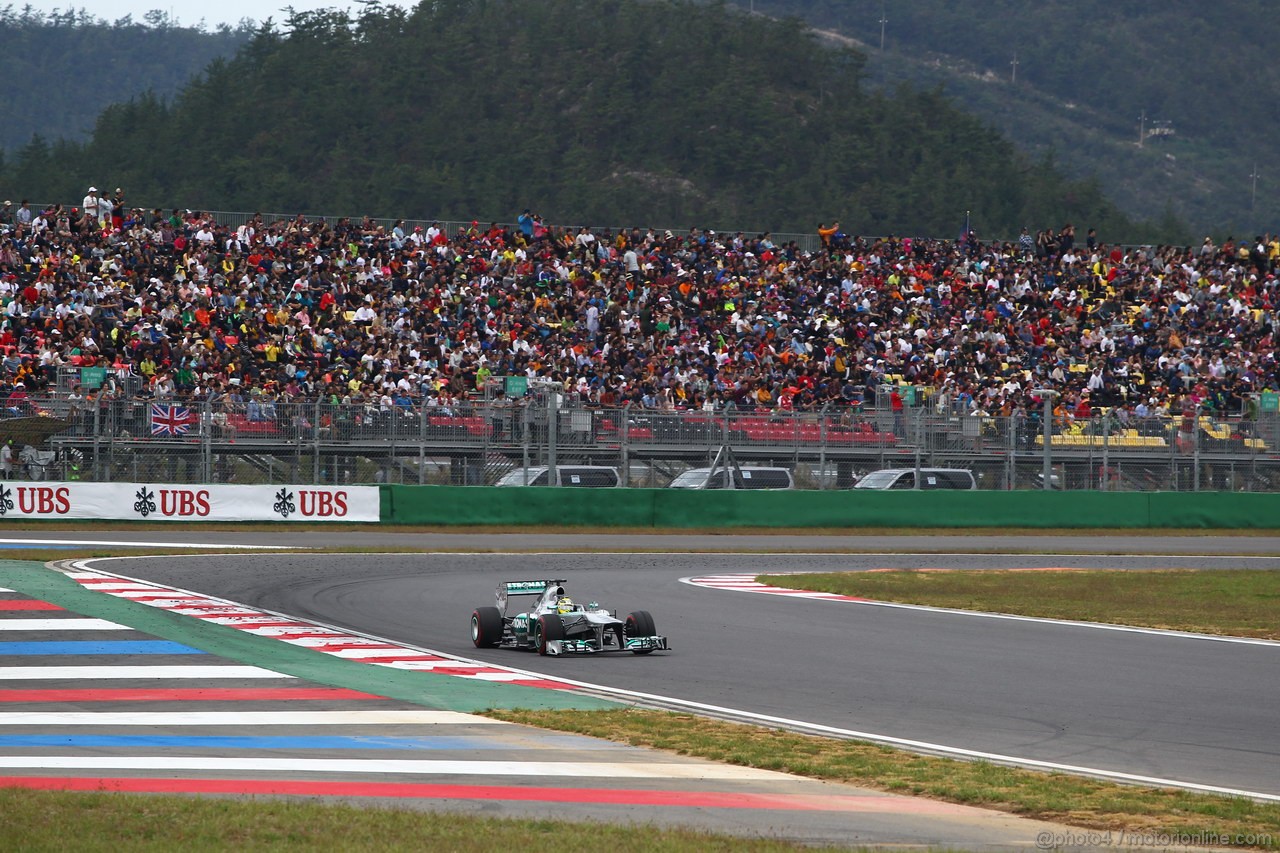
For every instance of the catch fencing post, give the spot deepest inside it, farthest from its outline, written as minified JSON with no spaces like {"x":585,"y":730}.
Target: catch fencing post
{"x":422,"y":441}
{"x":1047,"y":395}
{"x":97,"y":438}
{"x":553,"y":473}
{"x":624,"y":430}
{"x":1013,"y":426}
{"x":724,"y":445}
{"x":1195,"y":452}
{"x":822,"y":445}
{"x":111,"y":444}
{"x":1106,"y":454}
{"x":206,"y":441}
{"x":315,"y":432}
{"x":524,"y":438}
{"x":917,"y":443}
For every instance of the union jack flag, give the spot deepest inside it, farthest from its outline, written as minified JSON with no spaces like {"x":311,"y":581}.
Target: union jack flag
{"x":170,"y":420}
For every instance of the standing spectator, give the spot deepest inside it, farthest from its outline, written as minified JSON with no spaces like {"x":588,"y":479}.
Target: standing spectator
{"x":896,"y":406}
{"x":23,"y":216}
{"x":7,"y":457}
{"x":1067,"y":238}
{"x":593,"y":320}
{"x":1046,"y":244}
{"x":1026,"y":244}
{"x":105,"y":209}
{"x":1187,"y":426}
{"x":92,"y":204}
{"x":116,"y":210}
{"x":825,"y":234}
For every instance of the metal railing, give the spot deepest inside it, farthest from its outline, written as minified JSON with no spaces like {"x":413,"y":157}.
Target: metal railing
{"x":261,"y":440}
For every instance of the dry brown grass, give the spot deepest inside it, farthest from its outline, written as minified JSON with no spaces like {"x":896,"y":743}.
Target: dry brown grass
{"x":1071,"y":800}
{"x":88,"y":822}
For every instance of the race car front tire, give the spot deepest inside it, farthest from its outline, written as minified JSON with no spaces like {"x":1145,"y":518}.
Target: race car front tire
{"x":486,"y":627}
{"x":640,"y":624}
{"x":550,"y":627}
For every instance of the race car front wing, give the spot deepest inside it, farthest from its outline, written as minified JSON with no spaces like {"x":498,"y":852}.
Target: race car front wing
{"x":577,"y":646}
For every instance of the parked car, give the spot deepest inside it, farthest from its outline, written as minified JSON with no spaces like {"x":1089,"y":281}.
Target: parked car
{"x":590,"y":476}
{"x":744,"y":477}
{"x":930,"y":478}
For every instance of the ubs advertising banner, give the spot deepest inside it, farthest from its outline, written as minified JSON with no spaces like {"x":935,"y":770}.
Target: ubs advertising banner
{"x":158,"y":502}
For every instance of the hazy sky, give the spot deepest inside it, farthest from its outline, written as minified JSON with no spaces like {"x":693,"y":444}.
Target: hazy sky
{"x":189,"y":14}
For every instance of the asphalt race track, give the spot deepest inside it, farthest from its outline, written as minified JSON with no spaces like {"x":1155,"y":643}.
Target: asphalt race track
{"x":941,"y":542}
{"x":1191,"y":710}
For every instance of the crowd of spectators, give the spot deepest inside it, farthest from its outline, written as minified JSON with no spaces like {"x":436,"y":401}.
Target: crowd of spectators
{"x":353,"y":311}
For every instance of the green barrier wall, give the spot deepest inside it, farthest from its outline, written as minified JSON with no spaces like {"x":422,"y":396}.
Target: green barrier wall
{"x":1215,"y":509}
{"x":485,"y":505}
{"x":665,"y":508}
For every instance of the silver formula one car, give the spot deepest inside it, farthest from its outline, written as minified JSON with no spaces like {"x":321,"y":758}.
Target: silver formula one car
{"x":556,"y":625}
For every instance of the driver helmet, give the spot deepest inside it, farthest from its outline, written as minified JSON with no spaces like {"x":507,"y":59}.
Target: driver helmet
{"x":565,"y":605}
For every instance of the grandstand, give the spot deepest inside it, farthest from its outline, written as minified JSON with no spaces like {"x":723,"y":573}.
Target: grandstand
{"x":859,"y":346}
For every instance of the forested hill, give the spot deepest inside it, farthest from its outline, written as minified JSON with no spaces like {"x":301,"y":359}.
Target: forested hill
{"x":608,"y":111}
{"x":1197,"y":79}
{"x":62,"y":68}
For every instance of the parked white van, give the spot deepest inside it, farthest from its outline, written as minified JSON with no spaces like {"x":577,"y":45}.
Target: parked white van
{"x":586,"y":476}
{"x":746,"y":477}
{"x":930,"y":478}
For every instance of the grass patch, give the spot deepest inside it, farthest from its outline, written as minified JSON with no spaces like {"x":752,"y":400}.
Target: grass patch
{"x":49,"y":820}
{"x":1236,"y":602}
{"x":1046,"y":796}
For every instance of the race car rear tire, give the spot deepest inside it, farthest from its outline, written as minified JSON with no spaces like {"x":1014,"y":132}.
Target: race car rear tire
{"x":486,"y":627}
{"x":640,"y":624}
{"x":550,"y":627}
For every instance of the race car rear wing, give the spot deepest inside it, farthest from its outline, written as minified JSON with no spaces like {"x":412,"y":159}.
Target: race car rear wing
{"x":526,"y":588}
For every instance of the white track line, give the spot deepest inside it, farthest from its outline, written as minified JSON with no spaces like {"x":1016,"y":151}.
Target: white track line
{"x":739,"y":554}
{"x":72,"y":624}
{"x":385,"y":652}
{"x":412,"y":717}
{"x":424,"y":767}
{"x":134,"y":543}
{"x":810,"y":728}
{"x":312,"y":642}
{"x":428,"y":665}
{"x":49,"y":673}
{"x":286,"y":630}
{"x":748,"y":584}
{"x":1089,"y":555}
